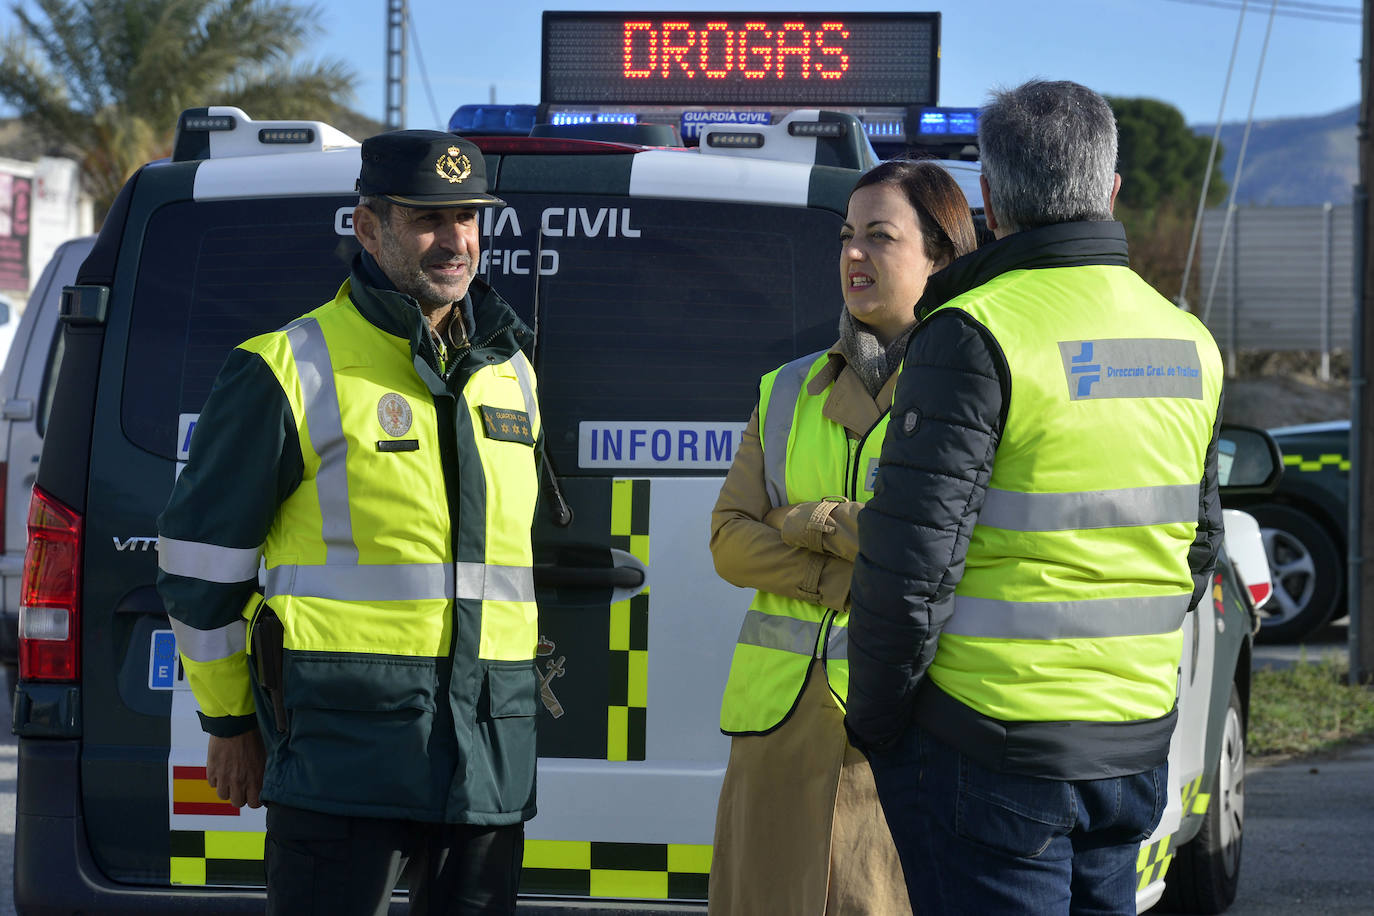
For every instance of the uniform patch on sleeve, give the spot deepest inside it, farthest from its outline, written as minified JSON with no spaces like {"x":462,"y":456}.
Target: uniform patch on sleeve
{"x":507,"y":425}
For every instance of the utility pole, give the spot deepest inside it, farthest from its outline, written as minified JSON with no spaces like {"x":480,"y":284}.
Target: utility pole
{"x":396,"y":17}
{"x":1361,"y":501}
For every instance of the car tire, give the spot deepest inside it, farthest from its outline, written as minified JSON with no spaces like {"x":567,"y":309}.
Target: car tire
{"x":1306,"y":569}
{"x":1205,"y":871}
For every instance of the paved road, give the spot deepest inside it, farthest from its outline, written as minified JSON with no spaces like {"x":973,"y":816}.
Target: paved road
{"x":1308,"y":835}
{"x":9,"y":776}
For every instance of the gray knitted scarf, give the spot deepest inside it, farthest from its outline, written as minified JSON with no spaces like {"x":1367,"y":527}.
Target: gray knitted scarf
{"x":873,"y":362}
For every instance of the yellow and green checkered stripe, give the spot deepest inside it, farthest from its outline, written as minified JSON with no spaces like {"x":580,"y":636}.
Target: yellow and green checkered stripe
{"x":1319,"y":463}
{"x":1154,"y":860}
{"x":571,"y":868}
{"x":627,"y":709}
{"x":217,"y":857}
{"x":641,"y":871}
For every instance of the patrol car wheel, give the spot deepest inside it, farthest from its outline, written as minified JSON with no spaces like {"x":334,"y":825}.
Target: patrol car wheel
{"x":1305,"y":568}
{"x":1206,"y":871}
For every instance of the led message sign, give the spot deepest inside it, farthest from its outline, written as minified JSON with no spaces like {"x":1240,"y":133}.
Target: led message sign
{"x":796,"y":60}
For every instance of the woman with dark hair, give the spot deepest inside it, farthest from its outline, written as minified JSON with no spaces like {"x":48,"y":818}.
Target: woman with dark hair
{"x":798,"y":829}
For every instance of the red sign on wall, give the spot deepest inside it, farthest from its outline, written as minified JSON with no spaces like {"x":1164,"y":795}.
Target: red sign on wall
{"x":16,"y":193}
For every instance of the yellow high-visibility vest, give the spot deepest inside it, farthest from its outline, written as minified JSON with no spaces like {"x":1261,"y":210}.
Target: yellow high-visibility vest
{"x":807,"y":457}
{"x":1077,"y":579}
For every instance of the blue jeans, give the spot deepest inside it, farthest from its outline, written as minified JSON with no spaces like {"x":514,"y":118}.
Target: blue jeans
{"x":973,"y":840}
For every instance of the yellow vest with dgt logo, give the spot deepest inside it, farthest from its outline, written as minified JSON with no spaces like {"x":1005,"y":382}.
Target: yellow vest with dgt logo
{"x":806,"y":458}
{"x":1077,"y":579}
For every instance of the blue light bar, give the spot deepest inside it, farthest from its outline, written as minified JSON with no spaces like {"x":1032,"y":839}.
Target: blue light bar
{"x":944,"y":121}
{"x":572,"y":117}
{"x":882,"y":129}
{"x":613,"y":117}
{"x":514,"y":120}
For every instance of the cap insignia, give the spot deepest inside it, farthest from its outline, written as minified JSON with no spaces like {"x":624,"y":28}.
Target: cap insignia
{"x":454,"y":166}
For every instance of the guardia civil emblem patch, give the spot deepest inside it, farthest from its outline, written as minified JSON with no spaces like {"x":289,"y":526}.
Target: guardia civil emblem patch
{"x":393,"y":412}
{"x":454,"y":167}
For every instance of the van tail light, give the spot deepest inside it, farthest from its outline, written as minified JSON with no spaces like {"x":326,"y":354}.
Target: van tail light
{"x":50,"y":592}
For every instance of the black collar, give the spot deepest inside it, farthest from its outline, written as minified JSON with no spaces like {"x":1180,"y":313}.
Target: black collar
{"x":1081,"y":244}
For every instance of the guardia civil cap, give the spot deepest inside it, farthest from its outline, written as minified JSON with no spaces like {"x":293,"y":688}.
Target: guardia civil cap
{"x":425,"y":169}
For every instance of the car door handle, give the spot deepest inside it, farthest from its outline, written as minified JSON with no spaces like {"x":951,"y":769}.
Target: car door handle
{"x":18,"y":409}
{"x":588,"y":577}
{"x":601,"y":568}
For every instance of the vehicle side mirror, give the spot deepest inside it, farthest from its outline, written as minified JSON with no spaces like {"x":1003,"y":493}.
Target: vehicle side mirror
{"x":1248,"y":461}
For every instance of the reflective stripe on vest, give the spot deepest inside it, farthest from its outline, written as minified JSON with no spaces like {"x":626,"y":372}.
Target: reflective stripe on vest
{"x":787,"y":634}
{"x":404,"y":582}
{"x":210,"y":645}
{"x":782,"y":403}
{"x":1090,"y":509}
{"x":525,"y":374}
{"x":322,"y":417}
{"x":209,"y":562}
{"x":1090,"y":619}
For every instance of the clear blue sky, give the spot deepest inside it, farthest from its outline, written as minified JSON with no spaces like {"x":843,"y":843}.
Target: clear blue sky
{"x":1166,"y":49}
{"x":1173,"y":50}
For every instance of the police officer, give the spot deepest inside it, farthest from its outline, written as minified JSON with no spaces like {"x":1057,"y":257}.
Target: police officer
{"x":377,"y":458}
{"x":1045,"y":517}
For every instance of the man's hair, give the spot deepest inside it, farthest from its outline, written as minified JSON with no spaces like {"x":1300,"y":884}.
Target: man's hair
{"x":378,"y":205}
{"x":1049,"y":154}
{"x":946,"y":226}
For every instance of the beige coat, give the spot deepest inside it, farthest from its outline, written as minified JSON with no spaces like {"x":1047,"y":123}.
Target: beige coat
{"x":799,"y":831}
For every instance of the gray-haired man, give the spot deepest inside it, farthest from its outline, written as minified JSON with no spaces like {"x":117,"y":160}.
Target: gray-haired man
{"x":1046,"y":514}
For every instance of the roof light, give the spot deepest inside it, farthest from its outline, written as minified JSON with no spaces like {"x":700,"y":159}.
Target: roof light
{"x":208,"y":122}
{"x":489,"y":120}
{"x":942,"y":121}
{"x":573,"y":117}
{"x":883,"y":128}
{"x":734,"y":140}
{"x":617,"y":117}
{"x":816,"y":129}
{"x":286,"y":135}
{"x":214,"y":133}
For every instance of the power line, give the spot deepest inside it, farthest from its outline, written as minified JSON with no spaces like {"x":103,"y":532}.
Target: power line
{"x":424,"y":76}
{"x":1293,"y":9}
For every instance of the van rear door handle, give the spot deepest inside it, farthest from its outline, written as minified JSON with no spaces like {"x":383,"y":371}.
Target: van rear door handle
{"x":588,"y":577}
{"x":592,"y":567}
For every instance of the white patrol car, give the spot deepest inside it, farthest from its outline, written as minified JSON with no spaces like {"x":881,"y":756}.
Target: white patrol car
{"x":661,"y":284}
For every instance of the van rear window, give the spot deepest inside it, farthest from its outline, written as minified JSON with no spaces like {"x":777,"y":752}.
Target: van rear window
{"x":212,"y":275}
{"x":653,"y":314}
{"x":646,"y":309}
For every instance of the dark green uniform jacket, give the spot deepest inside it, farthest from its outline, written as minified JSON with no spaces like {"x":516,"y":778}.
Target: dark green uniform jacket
{"x":394,"y":550}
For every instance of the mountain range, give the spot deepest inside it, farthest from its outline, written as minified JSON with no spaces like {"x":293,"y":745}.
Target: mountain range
{"x":1292,"y":162}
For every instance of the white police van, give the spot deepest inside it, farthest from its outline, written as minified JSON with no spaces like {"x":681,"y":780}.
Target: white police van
{"x":661,"y":283}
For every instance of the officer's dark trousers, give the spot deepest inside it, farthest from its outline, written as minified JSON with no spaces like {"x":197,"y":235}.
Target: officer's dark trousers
{"x":327,"y":865}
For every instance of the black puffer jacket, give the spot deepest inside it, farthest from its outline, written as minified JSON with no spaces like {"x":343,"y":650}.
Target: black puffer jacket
{"x":948,"y":415}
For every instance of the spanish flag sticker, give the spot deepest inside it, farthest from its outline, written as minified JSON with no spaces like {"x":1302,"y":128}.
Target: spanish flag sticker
{"x":191,"y":794}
